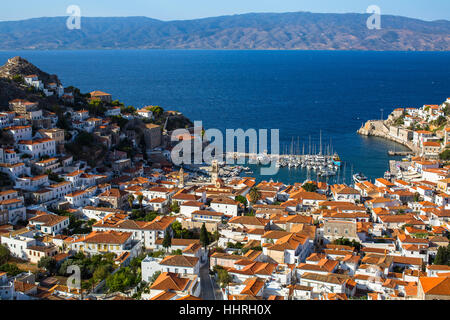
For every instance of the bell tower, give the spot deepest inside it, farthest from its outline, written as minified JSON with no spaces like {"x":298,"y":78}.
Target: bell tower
{"x":181,"y":178}
{"x":214,"y":171}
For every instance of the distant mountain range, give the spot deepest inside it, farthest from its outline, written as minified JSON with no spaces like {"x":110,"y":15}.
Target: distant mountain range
{"x":297,"y":30}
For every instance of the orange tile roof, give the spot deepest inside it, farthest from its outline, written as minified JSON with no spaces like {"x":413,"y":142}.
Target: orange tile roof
{"x":170,"y":281}
{"x":435,"y":285}
{"x":109,"y":237}
{"x":253,"y":286}
{"x":180,"y":261}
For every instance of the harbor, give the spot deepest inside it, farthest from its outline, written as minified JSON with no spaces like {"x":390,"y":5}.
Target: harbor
{"x":297,"y":162}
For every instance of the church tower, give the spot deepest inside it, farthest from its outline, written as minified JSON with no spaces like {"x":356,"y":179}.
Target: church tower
{"x":181,"y":178}
{"x":214,"y":171}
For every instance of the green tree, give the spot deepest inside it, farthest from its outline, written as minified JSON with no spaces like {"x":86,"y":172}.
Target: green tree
{"x":129,"y":109}
{"x":250,"y":213}
{"x":224,"y":277}
{"x":310,"y":187}
{"x":157,"y":111}
{"x":177,"y":252}
{"x":167,"y":241}
{"x":18,"y":79}
{"x":96,"y":107}
{"x":443,"y":256}
{"x":242,"y":200}
{"x":445,"y":155}
{"x":5,"y":254}
{"x":175,"y":207}
{"x":441,"y":120}
{"x":101,"y":273}
{"x":254,"y":195}
{"x":122,"y":280}
{"x":180,"y":233}
{"x":204,"y":237}
{"x":119,"y":120}
{"x":347,"y":242}
{"x":237,"y":245}
{"x":155,"y":276}
{"x":11,"y":269}
{"x":117,"y":103}
{"x":130,"y":200}
{"x":48,"y":263}
{"x":140,"y":198}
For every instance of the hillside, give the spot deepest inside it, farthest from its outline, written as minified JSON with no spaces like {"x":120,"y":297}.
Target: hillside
{"x":297,"y":30}
{"x":12,"y":89}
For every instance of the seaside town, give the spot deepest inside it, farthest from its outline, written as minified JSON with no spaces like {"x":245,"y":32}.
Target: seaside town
{"x":92,"y":208}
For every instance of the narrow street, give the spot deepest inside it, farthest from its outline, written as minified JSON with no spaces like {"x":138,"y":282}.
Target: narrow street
{"x":209,"y":290}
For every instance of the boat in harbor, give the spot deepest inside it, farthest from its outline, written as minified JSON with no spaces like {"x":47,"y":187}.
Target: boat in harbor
{"x":359,"y":177}
{"x":336,"y":159}
{"x":327,"y":173}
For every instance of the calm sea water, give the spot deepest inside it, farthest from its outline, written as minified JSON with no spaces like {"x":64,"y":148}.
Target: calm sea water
{"x":298,"y":92}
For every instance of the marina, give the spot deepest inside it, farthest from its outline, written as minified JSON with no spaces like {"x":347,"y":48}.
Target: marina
{"x":320,"y":161}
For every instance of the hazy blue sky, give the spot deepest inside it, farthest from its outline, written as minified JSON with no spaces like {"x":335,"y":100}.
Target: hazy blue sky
{"x":190,"y":9}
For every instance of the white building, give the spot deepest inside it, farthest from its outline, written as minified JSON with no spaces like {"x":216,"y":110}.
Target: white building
{"x":98,"y":242}
{"x":7,"y":291}
{"x":79,"y":198}
{"x":147,"y":232}
{"x":15,"y":170}
{"x":20,"y":132}
{"x":38,"y":148}
{"x":145,"y":113}
{"x":113,"y":111}
{"x":180,"y":264}
{"x":225,"y":205}
{"x":16,"y":209}
{"x":49,"y":223}
{"x":32,"y":183}
{"x":33,"y":81}
{"x":149,"y":266}
{"x":187,"y":208}
{"x":18,"y":244}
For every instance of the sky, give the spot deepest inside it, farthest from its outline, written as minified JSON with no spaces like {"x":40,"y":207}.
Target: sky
{"x":192,"y":9}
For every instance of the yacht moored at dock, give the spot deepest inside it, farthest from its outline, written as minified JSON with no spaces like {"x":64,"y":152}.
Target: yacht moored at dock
{"x":359,"y":177}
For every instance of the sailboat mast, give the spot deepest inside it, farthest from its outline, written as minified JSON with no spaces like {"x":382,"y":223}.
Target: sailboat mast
{"x":320,"y":151}
{"x":309,"y":144}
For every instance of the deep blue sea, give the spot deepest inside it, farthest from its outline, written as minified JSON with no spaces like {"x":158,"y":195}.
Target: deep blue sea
{"x":298,"y":92}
